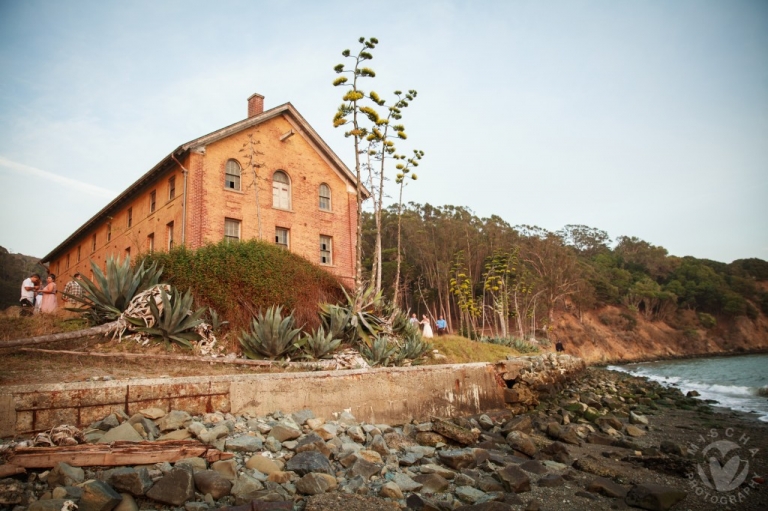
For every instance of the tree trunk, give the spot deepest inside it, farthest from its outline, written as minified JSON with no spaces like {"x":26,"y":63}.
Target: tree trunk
{"x":42,"y":339}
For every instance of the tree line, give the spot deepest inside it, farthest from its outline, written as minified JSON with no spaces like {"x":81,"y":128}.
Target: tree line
{"x":487,"y":276}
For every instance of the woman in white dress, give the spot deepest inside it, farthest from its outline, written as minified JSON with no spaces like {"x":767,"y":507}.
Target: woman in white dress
{"x":427,"y":331}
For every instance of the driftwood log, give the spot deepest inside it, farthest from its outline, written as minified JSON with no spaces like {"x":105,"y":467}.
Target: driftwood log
{"x":114,"y":454}
{"x":65,"y":336}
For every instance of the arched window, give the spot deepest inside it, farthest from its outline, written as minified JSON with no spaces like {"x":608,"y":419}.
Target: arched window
{"x":232,"y":175}
{"x":281,"y":190}
{"x":325,"y":197}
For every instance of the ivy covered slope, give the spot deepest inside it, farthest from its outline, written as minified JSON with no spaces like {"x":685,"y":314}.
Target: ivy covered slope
{"x":240,"y":279}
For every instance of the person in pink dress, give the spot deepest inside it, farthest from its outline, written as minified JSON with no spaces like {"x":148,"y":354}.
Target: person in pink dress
{"x":49,"y":295}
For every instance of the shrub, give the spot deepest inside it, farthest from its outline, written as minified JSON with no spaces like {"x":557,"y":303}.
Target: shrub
{"x":524,"y":347}
{"x":707,"y":320}
{"x":240,"y":279}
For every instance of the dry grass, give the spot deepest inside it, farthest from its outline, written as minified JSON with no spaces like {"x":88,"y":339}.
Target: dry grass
{"x":460,"y":350}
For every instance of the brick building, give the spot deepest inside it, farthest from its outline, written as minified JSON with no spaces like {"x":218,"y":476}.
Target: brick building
{"x":269,"y":177}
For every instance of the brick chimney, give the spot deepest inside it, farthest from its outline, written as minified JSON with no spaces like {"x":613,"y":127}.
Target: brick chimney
{"x":255,"y":105}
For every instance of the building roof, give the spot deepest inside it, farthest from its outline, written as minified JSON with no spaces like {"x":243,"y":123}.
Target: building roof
{"x":286,"y":109}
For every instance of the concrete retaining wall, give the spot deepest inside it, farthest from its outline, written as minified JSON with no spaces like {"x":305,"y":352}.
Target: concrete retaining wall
{"x":387,"y":395}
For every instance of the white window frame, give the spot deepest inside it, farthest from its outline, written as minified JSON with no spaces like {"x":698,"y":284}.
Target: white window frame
{"x":281,"y":192}
{"x":152,"y":201}
{"x":232,"y":229}
{"x":286,"y":242}
{"x":326,"y":250}
{"x":325,"y":200}
{"x":151,"y":242}
{"x":232,"y":179}
{"x":169,"y":234}
{"x":171,"y":188}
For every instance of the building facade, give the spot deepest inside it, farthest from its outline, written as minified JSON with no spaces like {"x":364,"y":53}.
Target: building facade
{"x":269,"y":177}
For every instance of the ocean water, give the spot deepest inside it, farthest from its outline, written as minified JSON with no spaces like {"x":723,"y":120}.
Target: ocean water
{"x":739,"y":383}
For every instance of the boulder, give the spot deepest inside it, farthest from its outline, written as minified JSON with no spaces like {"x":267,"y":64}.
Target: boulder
{"x":210,"y":481}
{"x":309,"y":461}
{"x":654,"y":497}
{"x":174,"y":488}
{"x":514,"y":479}
{"x":98,"y":496}
{"x":134,"y":481}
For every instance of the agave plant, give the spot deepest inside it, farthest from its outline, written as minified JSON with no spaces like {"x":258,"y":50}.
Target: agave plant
{"x":414,"y":348}
{"x":377,"y":351}
{"x":176,"y":322}
{"x":107,"y":296}
{"x":318,"y":345}
{"x":359,"y":313}
{"x":271,"y":335}
{"x":215,"y":320}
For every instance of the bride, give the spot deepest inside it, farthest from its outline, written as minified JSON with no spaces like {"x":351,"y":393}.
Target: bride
{"x":427,"y":331}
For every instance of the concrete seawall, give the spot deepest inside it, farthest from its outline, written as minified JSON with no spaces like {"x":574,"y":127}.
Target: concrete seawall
{"x":382,"y":395}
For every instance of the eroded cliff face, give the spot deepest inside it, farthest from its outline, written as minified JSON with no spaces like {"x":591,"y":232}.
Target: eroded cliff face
{"x":613,"y":334}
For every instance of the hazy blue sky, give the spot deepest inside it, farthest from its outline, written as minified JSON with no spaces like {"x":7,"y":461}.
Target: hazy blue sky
{"x":641,"y":118}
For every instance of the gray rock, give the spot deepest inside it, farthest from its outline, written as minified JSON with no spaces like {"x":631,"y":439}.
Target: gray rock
{"x":246,"y":489}
{"x":489,"y":484}
{"x":458,"y":458}
{"x":134,"y":481}
{"x":363,"y":468}
{"x":312,"y":442}
{"x":64,"y":474}
{"x":195,"y":463}
{"x":654,"y":497}
{"x":272,"y":444}
{"x":432,"y":468}
{"x":469,"y":494}
{"x":607,"y":487}
{"x":209,"y":436}
{"x":315,"y":484}
{"x":243,"y":443}
{"x":309,"y":461}
{"x":347,"y":419}
{"x":379,"y":445}
{"x":485,"y":422}
{"x":122,"y":433}
{"x":173,"y":420}
{"x":408,"y":459}
{"x":534,"y":467}
{"x":98,"y":496}
{"x":282,"y":432}
{"x":210,"y":481}
{"x":302,"y":416}
{"x":175,"y":488}
{"x":514,"y":479}
{"x":521,"y":442}
{"x":227,"y":469}
{"x":432,"y":483}
{"x":404,"y":482}
{"x":550,"y":481}
{"x":635,"y":418}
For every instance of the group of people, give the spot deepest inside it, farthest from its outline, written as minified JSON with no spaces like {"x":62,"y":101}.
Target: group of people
{"x":36,"y":297}
{"x":426,"y":325}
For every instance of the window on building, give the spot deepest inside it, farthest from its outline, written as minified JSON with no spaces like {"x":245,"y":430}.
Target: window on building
{"x":58,"y":267}
{"x":281,"y":190}
{"x":232,"y":175}
{"x":169,"y":234}
{"x":152,"y":200}
{"x":172,"y":188}
{"x":130,"y":217}
{"x":78,"y":253}
{"x":109,"y":232}
{"x":151,"y":242}
{"x":67,"y":261}
{"x":231,"y":229}
{"x":282,"y":237}
{"x":325,"y":197}
{"x":326,"y":250}
{"x":93,"y":243}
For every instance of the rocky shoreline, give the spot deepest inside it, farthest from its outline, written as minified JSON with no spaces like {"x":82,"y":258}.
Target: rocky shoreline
{"x":603,"y":440}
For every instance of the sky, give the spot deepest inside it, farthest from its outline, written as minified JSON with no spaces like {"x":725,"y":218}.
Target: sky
{"x":640,"y":118}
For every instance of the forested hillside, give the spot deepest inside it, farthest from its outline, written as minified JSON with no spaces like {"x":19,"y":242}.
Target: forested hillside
{"x":490,"y":278}
{"x":14,"y":268}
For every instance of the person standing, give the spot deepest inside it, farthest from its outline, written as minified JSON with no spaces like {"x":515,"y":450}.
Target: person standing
{"x":49,"y":295}
{"x":414,"y":321}
{"x":427,"y":332}
{"x":28,"y":291}
{"x":442,"y":326}
{"x":73,"y":290}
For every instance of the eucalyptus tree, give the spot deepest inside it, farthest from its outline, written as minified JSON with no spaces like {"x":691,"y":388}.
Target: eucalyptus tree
{"x":351,"y":112}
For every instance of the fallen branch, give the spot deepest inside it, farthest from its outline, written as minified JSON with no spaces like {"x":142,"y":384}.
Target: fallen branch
{"x":11,"y":470}
{"x":186,"y":358}
{"x":114,"y":454}
{"x":65,"y":336}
